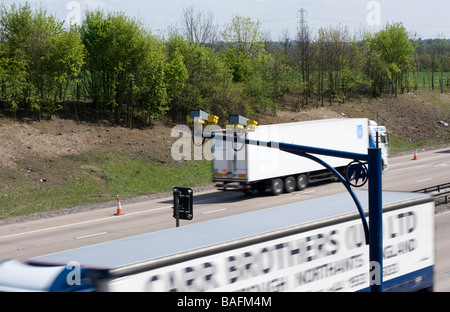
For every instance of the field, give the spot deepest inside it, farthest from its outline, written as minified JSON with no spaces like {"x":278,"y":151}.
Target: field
{"x":424,"y":80}
{"x":50,"y":166}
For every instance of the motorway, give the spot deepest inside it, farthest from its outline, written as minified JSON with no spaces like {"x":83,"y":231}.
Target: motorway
{"x":25,"y":240}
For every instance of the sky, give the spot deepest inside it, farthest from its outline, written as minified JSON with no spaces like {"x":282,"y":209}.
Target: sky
{"x":423,"y":19}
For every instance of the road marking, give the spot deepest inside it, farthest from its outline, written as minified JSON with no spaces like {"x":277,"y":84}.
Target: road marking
{"x":145,"y":211}
{"x":424,"y":180}
{"x":214,"y":211}
{"x":92,"y":235}
{"x":305,"y":193}
{"x":81,"y":223}
{"x":413,"y":165}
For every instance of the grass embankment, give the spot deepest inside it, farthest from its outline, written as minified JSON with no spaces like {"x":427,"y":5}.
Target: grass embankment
{"x":428,"y":132}
{"x":94,"y":178}
{"x":398,"y":145}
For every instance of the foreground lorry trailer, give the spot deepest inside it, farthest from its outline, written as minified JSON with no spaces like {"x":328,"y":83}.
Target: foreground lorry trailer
{"x":314,"y":245}
{"x":250,"y":167}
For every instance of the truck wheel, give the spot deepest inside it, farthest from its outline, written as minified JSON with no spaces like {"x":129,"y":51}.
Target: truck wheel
{"x":289,"y":184}
{"x":277,"y":186}
{"x":302,"y":182}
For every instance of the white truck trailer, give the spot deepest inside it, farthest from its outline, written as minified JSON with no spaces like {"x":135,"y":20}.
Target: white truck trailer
{"x":249,"y":167}
{"x":314,"y":245}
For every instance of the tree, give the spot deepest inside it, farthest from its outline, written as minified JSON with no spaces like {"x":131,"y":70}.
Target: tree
{"x":176,"y":74}
{"x":396,"y":51}
{"x":285,"y":72}
{"x":39,"y":57}
{"x":202,"y":75}
{"x":435,"y":66}
{"x":375,"y":68}
{"x":251,"y":65}
{"x":332,"y":43}
{"x":65,"y":62}
{"x":96,"y":72}
{"x":354,"y":81}
{"x":153,"y":88}
{"x":244,"y":41}
{"x":120,"y":52}
{"x":198,"y":27}
{"x":304,"y":52}
{"x":260,"y":84}
{"x":39,"y":45}
{"x":16,"y":23}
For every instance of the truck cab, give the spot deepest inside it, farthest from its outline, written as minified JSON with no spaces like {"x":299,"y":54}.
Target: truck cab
{"x":18,"y":276}
{"x":380,"y":132}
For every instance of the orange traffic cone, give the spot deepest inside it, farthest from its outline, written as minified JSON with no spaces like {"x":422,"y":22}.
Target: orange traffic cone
{"x":415,"y":154}
{"x":119,"y":207}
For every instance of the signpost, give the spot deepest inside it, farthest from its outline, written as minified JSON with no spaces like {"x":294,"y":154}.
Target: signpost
{"x":183,"y":204}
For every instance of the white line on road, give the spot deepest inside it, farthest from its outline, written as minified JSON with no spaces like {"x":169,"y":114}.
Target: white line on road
{"x":214,"y":211}
{"x":424,"y":180}
{"x":304,"y":193}
{"x":92,"y":235}
{"x":151,"y":210}
{"x":81,"y":223}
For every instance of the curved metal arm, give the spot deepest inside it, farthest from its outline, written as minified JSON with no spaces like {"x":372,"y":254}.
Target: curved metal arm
{"x":347,"y":186}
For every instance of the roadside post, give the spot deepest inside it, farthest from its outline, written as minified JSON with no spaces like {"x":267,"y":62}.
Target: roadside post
{"x":375,"y":220}
{"x":183,"y":204}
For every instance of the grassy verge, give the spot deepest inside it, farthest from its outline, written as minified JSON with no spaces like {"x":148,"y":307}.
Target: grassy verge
{"x":398,"y":144}
{"x":96,"y":178}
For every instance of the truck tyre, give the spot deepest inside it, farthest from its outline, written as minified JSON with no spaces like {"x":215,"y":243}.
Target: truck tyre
{"x":277,"y":186}
{"x":289,"y":184}
{"x":302,"y":182}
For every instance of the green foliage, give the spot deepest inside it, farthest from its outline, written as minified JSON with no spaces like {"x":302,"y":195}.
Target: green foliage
{"x":244,"y":40}
{"x":113,"y":68}
{"x":202,"y":74}
{"x":124,"y":67}
{"x":38,"y":57}
{"x":391,"y":54}
{"x":244,"y":35}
